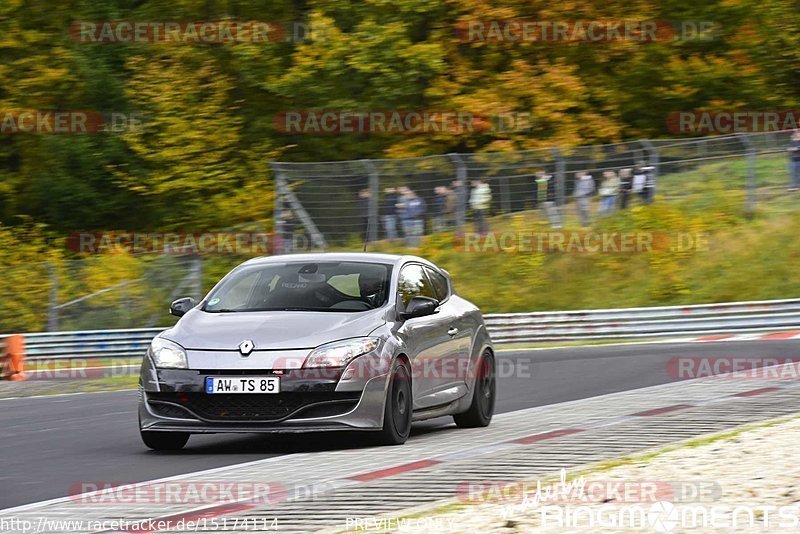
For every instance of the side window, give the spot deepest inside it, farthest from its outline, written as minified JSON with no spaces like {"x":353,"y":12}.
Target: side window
{"x":439,"y":283}
{"x":414,"y":283}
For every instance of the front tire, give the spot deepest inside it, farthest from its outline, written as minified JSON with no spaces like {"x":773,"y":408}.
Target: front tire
{"x":164,"y":441}
{"x":398,"y":406}
{"x":481,"y":410}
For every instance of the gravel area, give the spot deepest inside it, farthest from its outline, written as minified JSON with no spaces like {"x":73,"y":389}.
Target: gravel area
{"x":690,"y":487}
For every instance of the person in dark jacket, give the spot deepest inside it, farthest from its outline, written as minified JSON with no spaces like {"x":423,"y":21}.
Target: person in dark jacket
{"x":413,"y":216}
{"x":625,"y":187}
{"x":445,"y":205}
{"x":389,"y":212}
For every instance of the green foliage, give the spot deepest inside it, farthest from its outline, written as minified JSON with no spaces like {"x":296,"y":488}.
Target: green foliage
{"x":200,"y":160}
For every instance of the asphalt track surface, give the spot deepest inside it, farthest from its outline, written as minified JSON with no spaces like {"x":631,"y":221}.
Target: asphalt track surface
{"x":52,"y":444}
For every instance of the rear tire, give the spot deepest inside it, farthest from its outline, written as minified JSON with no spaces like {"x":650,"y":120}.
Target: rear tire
{"x":398,"y":407}
{"x":481,"y":410}
{"x":164,"y":441}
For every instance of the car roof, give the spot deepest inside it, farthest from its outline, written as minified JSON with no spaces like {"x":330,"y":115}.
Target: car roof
{"x":374,"y":257}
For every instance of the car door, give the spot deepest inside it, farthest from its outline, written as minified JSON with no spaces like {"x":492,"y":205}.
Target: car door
{"x":426,"y":338}
{"x":459,"y":334}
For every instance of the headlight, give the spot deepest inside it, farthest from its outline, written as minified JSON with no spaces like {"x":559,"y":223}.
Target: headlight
{"x":340,"y":353}
{"x":167,"y":354}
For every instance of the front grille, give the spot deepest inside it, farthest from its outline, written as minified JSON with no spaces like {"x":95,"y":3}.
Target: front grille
{"x":257,"y":407}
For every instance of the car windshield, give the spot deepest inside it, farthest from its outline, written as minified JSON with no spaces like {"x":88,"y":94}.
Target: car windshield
{"x":324,"y":286}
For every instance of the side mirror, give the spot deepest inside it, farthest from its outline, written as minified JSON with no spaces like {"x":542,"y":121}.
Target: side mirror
{"x":181,"y":306}
{"x":420,"y":307}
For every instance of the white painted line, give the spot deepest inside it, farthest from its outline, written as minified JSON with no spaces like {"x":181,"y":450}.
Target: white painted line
{"x":57,"y":395}
{"x":182,"y":476}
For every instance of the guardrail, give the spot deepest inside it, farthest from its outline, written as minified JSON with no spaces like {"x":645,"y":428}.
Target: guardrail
{"x":650,"y":322}
{"x":505,"y":328}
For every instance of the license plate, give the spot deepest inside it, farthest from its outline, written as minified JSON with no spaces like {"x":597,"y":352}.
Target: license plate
{"x":243,"y":384}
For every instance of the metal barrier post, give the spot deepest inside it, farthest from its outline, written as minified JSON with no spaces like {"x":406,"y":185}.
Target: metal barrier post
{"x":298,"y":209}
{"x":53,"y":307}
{"x":750,"y":174}
{"x":560,"y":175}
{"x":461,"y":193}
{"x":372,"y":206}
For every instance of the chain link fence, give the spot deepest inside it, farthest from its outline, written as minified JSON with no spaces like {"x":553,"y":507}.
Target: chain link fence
{"x":344,"y":203}
{"x":96,"y":292}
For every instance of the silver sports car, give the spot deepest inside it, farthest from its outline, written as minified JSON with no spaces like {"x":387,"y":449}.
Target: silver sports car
{"x":314,"y":342}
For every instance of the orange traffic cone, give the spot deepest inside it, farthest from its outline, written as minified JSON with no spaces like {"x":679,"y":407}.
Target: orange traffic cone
{"x":13,"y":358}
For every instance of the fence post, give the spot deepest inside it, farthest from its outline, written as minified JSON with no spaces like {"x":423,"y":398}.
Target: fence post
{"x":461,"y":194}
{"x":277,"y":220}
{"x":372,"y":207}
{"x":505,"y":200}
{"x":52,"y":309}
{"x":560,"y":175}
{"x":750,"y":174}
{"x":196,"y":275}
{"x":300,"y":212}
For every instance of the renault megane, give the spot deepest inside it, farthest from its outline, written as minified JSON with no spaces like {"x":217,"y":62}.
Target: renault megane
{"x":316,"y":342}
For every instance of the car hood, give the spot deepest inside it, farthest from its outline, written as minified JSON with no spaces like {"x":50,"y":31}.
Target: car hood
{"x":200,"y":330}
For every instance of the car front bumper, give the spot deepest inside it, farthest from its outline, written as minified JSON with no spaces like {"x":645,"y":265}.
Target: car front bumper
{"x":175,"y":400}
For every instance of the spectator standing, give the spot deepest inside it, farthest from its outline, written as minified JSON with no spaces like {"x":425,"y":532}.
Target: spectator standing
{"x":794,"y":161}
{"x":389,"y":217}
{"x":480,"y":201}
{"x":413,"y":217}
{"x":546,"y":195}
{"x":445,"y":208}
{"x":609,"y":189}
{"x":439,"y":207}
{"x":584,"y":189}
{"x":460,"y":194}
{"x":625,"y":187}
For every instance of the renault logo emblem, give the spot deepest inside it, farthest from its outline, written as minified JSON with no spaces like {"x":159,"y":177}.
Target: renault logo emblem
{"x":246,"y":347}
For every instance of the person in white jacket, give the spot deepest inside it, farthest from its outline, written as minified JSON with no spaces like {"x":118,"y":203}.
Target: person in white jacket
{"x":609,"y":188}
{"x":480,"y":201}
